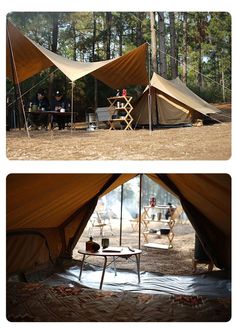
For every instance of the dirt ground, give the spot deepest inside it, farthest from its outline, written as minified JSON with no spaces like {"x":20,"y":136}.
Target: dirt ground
{"x":208,"y":142}
{"x":175,"y":261}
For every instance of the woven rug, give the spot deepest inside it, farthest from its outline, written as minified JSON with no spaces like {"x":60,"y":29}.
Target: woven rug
{"x":34,"y":302}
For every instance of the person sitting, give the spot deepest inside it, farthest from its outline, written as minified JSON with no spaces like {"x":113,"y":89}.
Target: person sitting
{"x":59,"y":104}
{"x":39,"y":104}
{"x":169,"y":211}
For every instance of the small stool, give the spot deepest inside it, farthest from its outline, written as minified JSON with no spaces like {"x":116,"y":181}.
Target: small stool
{"x":206,"y":262}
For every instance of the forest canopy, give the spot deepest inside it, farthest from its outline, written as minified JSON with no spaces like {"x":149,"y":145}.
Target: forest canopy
{"x":196,"y":46}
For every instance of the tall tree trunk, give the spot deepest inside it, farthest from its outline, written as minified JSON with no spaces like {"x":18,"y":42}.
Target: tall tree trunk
{"x":185,"y":44}
{"x":173,"y":52}
{"x":202,"y":24}
{"x":139,"y":32}
{"x":162,"y":45}
{"x":153,"y":41}
{"x":55,"y":32}
{"x":223,"y":82}
{"x":94,"y":59}
{"x":199,"y":76}
{"x":74,"y":40}
{"x":108,"y":34}
{"x":120,"y":33}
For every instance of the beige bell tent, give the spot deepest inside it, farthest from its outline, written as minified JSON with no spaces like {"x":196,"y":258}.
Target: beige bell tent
{"x":171,"y":103}
{"x":47,"y":213}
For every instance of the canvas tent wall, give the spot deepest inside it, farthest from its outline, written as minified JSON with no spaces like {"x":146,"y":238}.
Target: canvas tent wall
{"x":47,"y":213}
{"x":172,"y":103}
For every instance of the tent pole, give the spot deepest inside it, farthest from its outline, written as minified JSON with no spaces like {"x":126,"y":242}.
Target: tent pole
{"x":14,"y":83}
{"x":140,"y":209}
{"x":121,"y":211}
{"x":149,"y":89}
{"x":72,"y":106}
{"x":17,"y":82}
{"x":15,"y":92}
{"x":150,"y":108}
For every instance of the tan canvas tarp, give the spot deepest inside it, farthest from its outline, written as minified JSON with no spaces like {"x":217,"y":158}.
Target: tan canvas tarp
{"x":47,"y":213}
{"x":172,"y":103}
{"x":29,"y":58}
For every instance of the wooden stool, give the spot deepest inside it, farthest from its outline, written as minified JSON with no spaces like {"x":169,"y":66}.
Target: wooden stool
{"x":206,"y":262}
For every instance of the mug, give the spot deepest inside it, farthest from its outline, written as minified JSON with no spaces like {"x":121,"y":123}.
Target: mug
{"x":62,"y":110}
{"x":34,"y":108}
{"x":105,"y":243}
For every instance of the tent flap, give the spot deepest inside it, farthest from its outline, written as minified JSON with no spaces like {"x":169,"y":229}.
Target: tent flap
{"x":206,"y":199}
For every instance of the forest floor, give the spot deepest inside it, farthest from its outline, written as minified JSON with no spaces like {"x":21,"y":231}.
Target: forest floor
{"x":207,"y":142}
{"x":175,"y":261}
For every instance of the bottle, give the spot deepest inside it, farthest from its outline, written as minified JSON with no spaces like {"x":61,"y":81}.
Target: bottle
{"x":124,"y":92}
{"x":92,"y":246}
{"x":30,"y":107}
{"x":89,"y":244}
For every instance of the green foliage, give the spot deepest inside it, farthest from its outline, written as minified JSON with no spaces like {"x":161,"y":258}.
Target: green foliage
{"x":83,"y":36}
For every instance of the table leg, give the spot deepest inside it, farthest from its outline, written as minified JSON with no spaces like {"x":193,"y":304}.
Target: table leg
{"x":114,"y":263}
{"x":81,"y":268}
{"x":103,"y":271}
{"x":138,"y":266}
{"x":145,"y":235}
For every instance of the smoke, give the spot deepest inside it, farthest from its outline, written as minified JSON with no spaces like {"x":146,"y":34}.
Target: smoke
{"x":112,"y":201}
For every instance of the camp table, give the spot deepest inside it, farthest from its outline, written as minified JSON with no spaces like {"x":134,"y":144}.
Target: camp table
{"x":114,"y":252}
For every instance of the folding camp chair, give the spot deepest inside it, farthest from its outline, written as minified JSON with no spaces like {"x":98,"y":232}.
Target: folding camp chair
{"x":100,"y":220}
